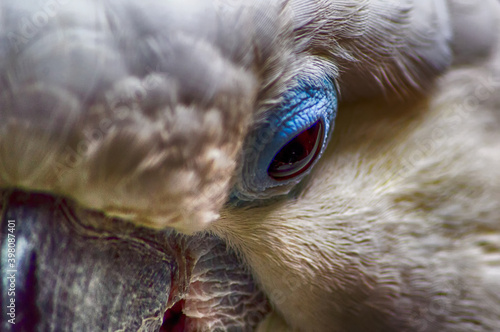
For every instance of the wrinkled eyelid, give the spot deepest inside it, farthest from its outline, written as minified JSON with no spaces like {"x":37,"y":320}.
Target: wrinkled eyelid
{"x":312,"y":99}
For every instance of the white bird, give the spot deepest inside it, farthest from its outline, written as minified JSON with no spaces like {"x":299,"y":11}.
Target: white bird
{"x":279,"y":165}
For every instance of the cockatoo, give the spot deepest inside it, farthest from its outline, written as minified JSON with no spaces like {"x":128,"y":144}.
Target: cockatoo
{"x":225,"y":165}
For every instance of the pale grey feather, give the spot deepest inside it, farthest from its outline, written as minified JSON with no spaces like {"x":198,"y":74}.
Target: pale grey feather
{"x":140,"y":109}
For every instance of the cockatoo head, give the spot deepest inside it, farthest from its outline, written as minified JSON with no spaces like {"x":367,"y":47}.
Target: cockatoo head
{"x":194,"y":165}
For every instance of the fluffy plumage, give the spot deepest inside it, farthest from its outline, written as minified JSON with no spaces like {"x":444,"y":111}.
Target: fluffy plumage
{"x":140,"y":110}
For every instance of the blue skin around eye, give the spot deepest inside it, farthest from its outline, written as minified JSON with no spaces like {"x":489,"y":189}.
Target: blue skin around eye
{"x":309,"y":101}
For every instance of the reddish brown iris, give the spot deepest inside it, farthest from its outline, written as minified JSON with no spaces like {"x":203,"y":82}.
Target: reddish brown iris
{"x":297,"y":155}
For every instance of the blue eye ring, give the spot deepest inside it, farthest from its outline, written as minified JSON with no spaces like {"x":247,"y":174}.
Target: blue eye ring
{"x":310,"y":103}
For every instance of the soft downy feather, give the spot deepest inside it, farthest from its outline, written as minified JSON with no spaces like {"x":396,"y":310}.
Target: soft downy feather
{"x":140,"y":110}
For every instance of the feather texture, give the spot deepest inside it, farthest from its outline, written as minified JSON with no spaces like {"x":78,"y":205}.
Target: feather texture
{"x":140,"y":109}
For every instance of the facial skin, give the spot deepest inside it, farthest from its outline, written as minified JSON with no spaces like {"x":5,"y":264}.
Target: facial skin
{"x":140,"y":111}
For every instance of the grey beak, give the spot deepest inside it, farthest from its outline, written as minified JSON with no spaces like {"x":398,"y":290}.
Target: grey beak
{"x":80,"y":271}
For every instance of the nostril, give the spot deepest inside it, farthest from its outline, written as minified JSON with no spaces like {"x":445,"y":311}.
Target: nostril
{"x":174,"y":319}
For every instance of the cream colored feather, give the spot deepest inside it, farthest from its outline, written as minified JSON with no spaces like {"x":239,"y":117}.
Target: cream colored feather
{"x":139,"y":109}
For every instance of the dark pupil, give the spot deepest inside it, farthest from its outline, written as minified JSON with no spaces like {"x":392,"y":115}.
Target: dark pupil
{"x":298,"y":154}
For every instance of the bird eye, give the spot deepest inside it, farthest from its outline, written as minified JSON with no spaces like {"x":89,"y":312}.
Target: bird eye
{"x":298,"y":154}
{"x":289,"y":141}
